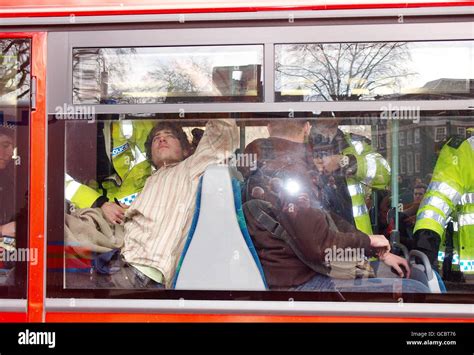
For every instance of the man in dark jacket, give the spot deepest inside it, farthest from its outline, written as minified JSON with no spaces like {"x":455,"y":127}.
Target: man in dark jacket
{"x":295,"y":238}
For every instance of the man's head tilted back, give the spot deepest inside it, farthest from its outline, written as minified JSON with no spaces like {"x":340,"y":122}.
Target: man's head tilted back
{"x":167,"y":144}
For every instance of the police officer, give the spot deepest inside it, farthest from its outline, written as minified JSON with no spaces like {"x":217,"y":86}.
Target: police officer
{"x":125,"y":147}
{"x":450,"y":195}
{"x":355,"y":166}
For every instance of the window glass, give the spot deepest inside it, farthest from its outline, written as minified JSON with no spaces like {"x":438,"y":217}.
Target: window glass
{"x":401,"y":139}
{"x":374,"y":71}
{"x":440,"y":133}
{"x":462,"y":131}
{"x":140,"y":75}
{"x":132,"y":196}
{"x":417,"y":162}
{"x":410,"y":163}
{"x":409,"y":137}
{"x":417,"y":135}
{"x":14,"y":120}
{"x":403,"y":164}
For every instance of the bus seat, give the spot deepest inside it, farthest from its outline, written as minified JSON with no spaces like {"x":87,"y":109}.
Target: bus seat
{"x":420,"y":269}
{"x":219,"y":253}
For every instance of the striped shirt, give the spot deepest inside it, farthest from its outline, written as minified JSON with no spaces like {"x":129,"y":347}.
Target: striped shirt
{"x":159,"y":219}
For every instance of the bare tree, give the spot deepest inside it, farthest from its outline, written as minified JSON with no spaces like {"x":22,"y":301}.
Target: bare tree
{"x":344,"y":71}
{"x":171,"y":79}
{"x":186,"y":76}
{"x":14,"y":67}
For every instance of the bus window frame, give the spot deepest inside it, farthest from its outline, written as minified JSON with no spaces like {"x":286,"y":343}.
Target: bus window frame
{"x":56,"y":198}
{"x":60,"y":57}
{"x":61,"y":46}
{"x":32,"y":308}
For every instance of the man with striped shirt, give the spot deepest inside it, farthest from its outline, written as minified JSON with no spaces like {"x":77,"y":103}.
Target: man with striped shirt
{"x":159,"y":219}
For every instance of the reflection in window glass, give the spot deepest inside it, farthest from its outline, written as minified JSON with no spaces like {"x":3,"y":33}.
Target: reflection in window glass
{"x":328,"y":185}
{"x":462,"y":131}
{"x":417,"y":135}
{"x":403,"y":165}
{"x":401,"y":139}
{"x":381,"y":142}
{"x":410,"y":163}
{"x":374,"y":71}
{"x":167,"y":74}
{"x":409,"y":137}
{"x":14,"y":117}
{"x":14,"y":72}
{"x":417,"y":162}
{"x":440,"y":133}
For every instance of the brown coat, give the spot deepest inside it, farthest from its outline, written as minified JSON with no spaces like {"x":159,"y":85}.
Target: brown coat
{"x":312,"y":229}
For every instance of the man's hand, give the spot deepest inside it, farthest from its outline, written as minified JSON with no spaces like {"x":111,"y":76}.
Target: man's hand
{"x":380,"y":243}
{"x":8,"y":230}
{"x":114,"y":213}
{"x":399,"y":264}
{"x":331,"y":163}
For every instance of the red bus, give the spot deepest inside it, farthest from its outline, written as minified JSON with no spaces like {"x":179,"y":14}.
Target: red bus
{"x":70,"y":71}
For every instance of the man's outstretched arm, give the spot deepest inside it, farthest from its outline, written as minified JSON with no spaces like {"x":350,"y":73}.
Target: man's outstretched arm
{"x":219,"y":141}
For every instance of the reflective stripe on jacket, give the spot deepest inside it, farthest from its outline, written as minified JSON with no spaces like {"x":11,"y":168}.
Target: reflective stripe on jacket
{"x":128,"y":156}
{"x":373,"y":171}
{"x":451,"y":194}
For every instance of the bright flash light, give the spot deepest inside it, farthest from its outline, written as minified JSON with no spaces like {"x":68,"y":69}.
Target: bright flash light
{"x":292,"y":187}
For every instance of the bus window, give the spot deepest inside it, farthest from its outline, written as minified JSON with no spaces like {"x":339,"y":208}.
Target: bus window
{"x":168,"y":74}
{"x":14,"y":126}
{"x":374,"y":71}
{"x":326,"y":195}
{"x":344,"y":167}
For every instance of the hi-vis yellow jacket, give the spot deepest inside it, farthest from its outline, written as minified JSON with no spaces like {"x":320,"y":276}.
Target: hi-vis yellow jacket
{"x":373,"y":172}
{"x":451,"y":195}
{"x":128,"y":156}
